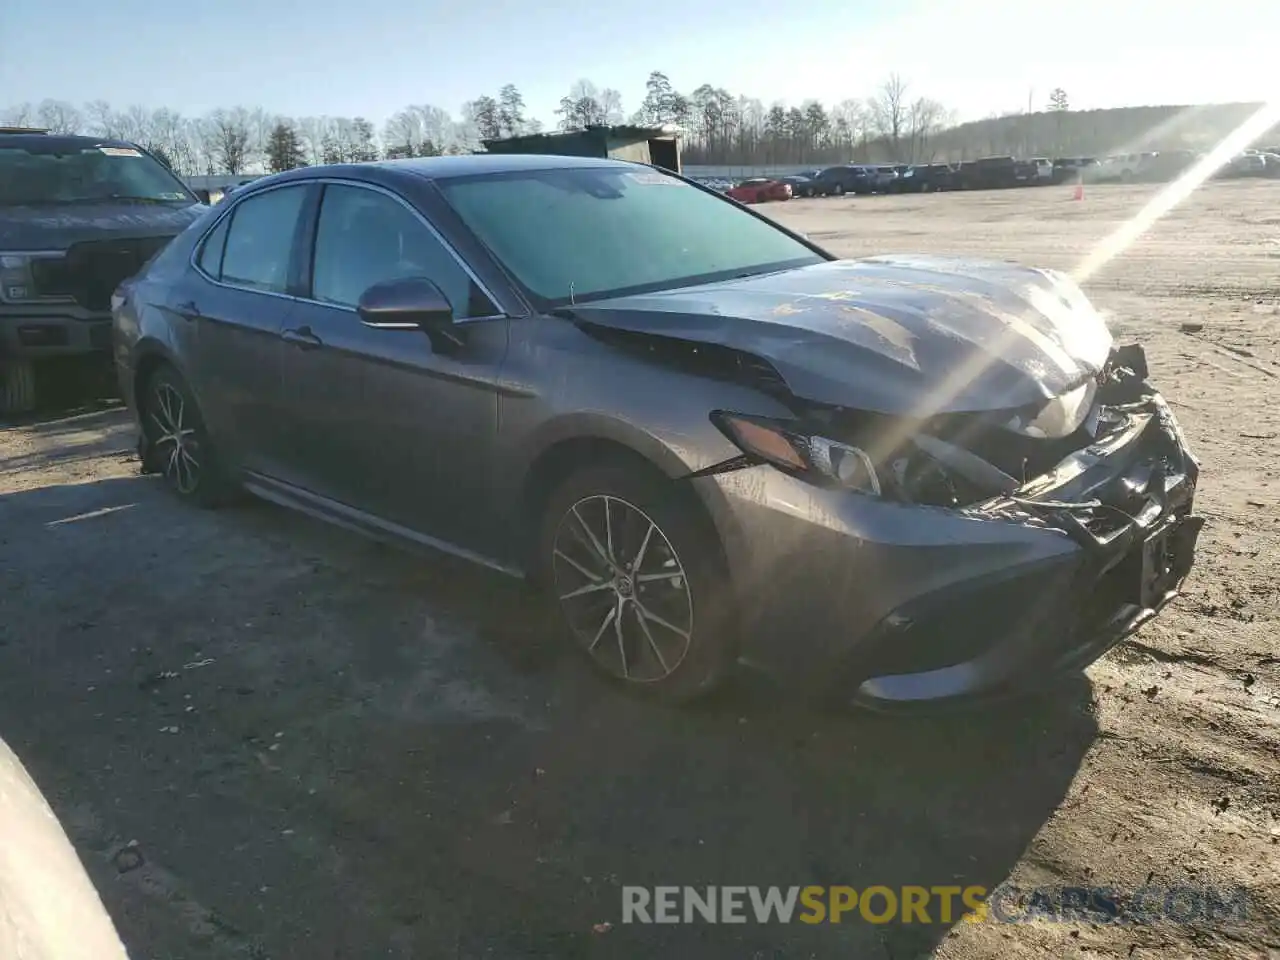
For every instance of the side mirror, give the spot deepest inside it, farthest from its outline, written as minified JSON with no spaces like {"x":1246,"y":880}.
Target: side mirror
{"x":413,"y":302}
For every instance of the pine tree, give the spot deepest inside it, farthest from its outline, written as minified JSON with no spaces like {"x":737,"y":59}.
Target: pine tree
{"x":284,"y":149}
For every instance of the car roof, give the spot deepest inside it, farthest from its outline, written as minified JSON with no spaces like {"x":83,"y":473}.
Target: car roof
{"x":49,"y":143}
{"x":446,"y":168}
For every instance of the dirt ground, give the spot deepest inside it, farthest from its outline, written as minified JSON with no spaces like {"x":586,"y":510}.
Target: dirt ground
{"x":326,"y":749}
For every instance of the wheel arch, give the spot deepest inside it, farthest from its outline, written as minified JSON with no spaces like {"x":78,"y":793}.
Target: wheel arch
{"x":149,"y":356}
{"x":591,"y":440}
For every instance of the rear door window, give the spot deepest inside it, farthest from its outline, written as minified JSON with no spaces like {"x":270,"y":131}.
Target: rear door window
{"x":259,"y":243}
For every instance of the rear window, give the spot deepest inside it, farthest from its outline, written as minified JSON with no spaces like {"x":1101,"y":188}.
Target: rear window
{"x":60,"y":174}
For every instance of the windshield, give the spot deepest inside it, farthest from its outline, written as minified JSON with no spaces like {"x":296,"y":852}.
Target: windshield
{"x":36,"y":176}
{"x":587,"y":233}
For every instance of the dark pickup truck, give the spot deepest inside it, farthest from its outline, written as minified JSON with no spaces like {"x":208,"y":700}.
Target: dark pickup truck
{"x":989,"y":173}
{"x":77,"y":216}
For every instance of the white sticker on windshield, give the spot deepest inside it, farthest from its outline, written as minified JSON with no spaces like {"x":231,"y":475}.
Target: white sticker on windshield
{"x":656,"y":179}
{"x":121,"y":151}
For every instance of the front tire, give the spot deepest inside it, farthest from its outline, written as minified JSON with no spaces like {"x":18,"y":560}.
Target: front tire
{"x":17,"y":387}
{"x":636,"y":571}
{"x":177,"y":443}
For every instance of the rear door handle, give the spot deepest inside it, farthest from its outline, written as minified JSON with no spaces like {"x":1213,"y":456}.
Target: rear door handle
{"x":302,"y":337}
{"x":188,"y":310}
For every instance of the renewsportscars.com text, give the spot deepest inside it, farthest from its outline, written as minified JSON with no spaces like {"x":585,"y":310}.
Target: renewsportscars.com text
{"x":933,"y":904}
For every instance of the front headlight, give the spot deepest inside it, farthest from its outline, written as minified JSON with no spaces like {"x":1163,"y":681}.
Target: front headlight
{"x":1060,"y":417}
{"x":15,"y":276}
{"x":793,"y":450}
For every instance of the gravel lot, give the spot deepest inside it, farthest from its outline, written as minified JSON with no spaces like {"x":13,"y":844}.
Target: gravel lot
{"x":324,"y":748}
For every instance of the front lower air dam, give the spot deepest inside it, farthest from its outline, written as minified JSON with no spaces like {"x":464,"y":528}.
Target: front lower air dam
{"x":1124,"y":506}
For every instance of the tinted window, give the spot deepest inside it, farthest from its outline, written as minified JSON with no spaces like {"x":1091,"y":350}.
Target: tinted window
{"x":365,"y":237}
{"x":211,"y":252}
{"x":579,"y":233}
{"x":260,"y":242}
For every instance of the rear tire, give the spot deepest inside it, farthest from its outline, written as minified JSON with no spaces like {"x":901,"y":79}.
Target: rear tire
{"x":637,"y":575}
{"x":177,"y":443}
{"x":17,"y":387}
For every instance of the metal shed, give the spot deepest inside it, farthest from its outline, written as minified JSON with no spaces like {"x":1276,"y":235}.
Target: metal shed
{"x":659,"y":146}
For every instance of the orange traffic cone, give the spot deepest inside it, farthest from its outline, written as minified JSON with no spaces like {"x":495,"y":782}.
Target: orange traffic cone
{"x":1079,"y":194}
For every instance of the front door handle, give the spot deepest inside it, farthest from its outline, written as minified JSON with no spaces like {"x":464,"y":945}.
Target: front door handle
{"x":188,"y":310}
{"x":302,"y":337}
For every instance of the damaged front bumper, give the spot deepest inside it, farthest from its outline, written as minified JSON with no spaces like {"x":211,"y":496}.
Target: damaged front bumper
{"x":897,"y":603}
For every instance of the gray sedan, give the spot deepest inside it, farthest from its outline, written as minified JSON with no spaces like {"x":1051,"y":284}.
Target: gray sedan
{"x":709,"y":441}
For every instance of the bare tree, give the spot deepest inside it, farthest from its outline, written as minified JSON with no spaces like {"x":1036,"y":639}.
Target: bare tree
{"x":924,"y":116}
{"x":312,"y":130}
{"x":418,"y":131}
{"x":889,"y":111}
{"x":230,"y":139}
{"x":583,"y":106}
{"x":103,"y":121}
{"x":58,"y":116}
{"x":135,"y":125}
{"x":610,"y":106}
{"x":18,"y":115}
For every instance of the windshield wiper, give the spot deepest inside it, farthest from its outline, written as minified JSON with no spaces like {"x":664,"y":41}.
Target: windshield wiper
{"x":126,"y":198}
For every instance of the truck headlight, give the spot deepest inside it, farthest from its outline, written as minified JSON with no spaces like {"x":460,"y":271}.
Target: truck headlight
{"x":15,"y":276}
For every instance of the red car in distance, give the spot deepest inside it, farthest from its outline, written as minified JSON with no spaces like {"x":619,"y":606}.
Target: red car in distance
{"x":759,"y":190}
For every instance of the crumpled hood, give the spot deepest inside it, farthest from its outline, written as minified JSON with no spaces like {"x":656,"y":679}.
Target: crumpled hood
{"x":58,"y":227}
{"x":891,"y":334}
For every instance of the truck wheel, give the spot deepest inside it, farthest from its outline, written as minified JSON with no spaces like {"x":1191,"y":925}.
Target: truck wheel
{"x":17,"y":386}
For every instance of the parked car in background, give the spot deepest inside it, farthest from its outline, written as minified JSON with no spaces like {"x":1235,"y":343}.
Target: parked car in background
{"x":704,"y":439}
{"x":817,"y":186}
{"x":882,"y":178}
{"x":1243,"y":165}
{"x":844,"y":178}
{"x":1127,"y":168}
{"x":1166,"y":165}
{"x":77,"y":216}
{"x":899,"y":170}
{"x":718,"y":184}
{"x":926,"y":178}
{"x":1071,"y":169}
{"x":759,"y":190}
{"x":1271,"y":162}
{"x":801,"y":185}
{"x":988,"y":173}
{"x":1042,"y":169}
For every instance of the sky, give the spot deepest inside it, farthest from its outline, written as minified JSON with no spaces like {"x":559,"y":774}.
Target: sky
{"x":339,"y":58}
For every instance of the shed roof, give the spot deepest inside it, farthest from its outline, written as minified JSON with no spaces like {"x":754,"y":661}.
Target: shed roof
{"x":620,"y":131}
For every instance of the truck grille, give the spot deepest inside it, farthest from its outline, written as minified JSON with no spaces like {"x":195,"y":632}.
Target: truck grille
{"x":91,"y":271}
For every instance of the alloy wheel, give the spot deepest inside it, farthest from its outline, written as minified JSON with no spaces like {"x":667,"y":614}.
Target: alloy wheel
{"x":623,"y":589}
{"x":174,"y":439}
